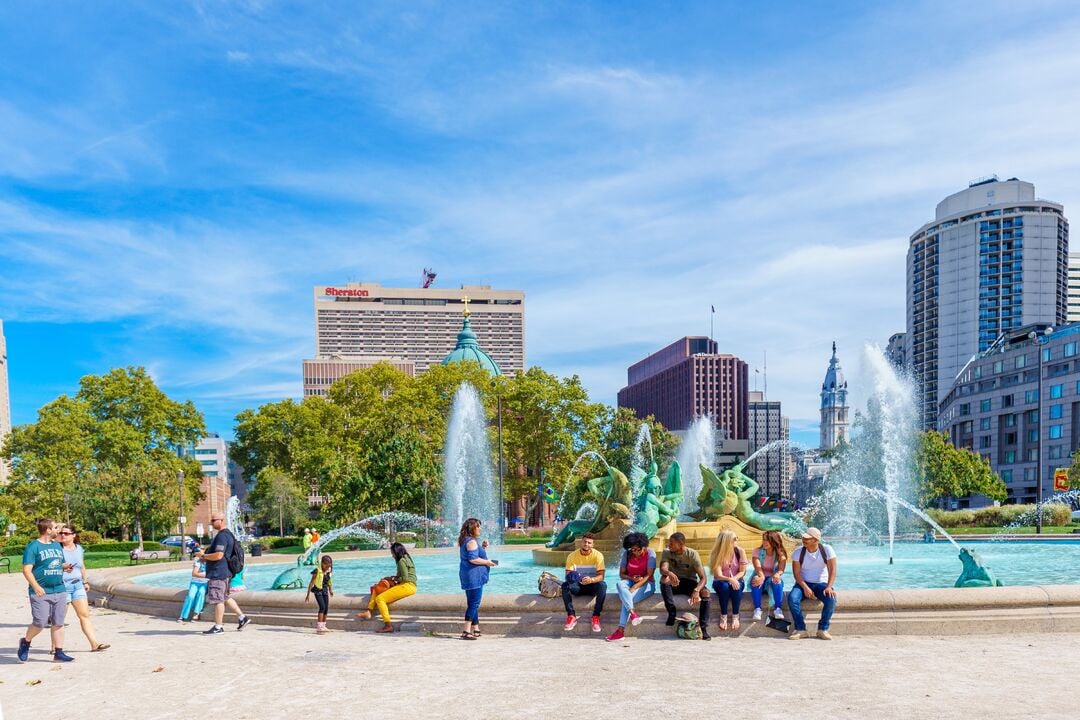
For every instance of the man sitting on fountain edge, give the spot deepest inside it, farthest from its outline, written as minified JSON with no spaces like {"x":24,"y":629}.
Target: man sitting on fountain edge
{"x":681,"y":573}
{"x":814,"y":567}
{"x":584,"y":576}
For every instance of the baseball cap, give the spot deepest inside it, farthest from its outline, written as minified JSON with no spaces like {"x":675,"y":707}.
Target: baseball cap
{"x":812,"y":532}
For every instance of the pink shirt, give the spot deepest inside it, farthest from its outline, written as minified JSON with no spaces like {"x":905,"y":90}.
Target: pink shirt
{"x":735,"y":566}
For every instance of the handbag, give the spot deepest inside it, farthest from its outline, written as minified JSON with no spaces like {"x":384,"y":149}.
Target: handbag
{"x":549,"y":585}
{"x":382,"y":586}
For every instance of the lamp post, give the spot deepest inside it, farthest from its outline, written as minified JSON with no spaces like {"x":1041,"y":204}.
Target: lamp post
{"x":1039,"y":342}
{"x":183,"y":545}
{"x":427,"y":520}
{"x":502,"y":496}
{"x":280,"y":516}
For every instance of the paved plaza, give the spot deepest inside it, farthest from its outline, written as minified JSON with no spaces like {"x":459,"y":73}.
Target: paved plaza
{"x":159,"y":669}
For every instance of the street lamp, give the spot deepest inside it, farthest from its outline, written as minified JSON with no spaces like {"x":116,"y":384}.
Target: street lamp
{"x":502,"y":497}
{"x":183,"y":545}
{"x":427,"y":520}
{"x":281,"y":515}
{"x":1039,"y":342}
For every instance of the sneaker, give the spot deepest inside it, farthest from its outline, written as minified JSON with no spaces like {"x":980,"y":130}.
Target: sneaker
{"x":824,"y":635}
{"x":244,"y":620}
{"x":617,"y":635}
{"x":595,"y":624}
{"x":61,"y":656}
{"x":778,"y":614}
{"x":571,"y":623}
{"x":705,"y":634}
{"x":635,"y":619}
{"x":24,"y":650}
{"x":214,"y":630}
{"x":797,"y":635}
{"x":757,"y":614}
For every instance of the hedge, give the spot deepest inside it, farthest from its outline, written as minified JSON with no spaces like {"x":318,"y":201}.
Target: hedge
{"x":991,"y":516}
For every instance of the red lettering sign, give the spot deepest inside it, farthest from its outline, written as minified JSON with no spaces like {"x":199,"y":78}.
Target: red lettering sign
{"x":345,"y":292}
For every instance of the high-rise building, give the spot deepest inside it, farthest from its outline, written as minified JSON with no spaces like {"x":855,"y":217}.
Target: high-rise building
{"x":835,"y":417}
{"x":1073,"y":313}
{"x":212,"y":452}
{"x":992,"y":259}
{"x":771,"y":469}
{"x":5,"y":402}
{"x":896,"y":350}
{"x":359,"y":324}
{"x":686,"y":380}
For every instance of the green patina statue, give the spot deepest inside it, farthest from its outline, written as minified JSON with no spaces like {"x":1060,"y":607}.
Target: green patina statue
{"x":730,"y":493}
{"x":612,"y":496}
{"x":290,"y":579}
{"x":657,"y":504}
{"x":974,"y":573}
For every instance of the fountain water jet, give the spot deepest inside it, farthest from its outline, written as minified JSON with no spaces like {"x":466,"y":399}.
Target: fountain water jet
{"x":469,"y":488}
{"x":698,"y":448}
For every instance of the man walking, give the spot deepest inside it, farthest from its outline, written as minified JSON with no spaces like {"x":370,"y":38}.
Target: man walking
{"x":814,"y":568}
{"x":218,"y":576}
{"x":43,"y":568}
{"x":681,"y":573}
{"x":584,"y":576}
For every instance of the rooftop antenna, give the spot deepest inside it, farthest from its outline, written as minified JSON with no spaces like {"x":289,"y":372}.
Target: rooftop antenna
{"x":428,"y":278}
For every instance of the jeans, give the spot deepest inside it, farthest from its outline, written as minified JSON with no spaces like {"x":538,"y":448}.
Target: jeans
{"x":729,"y":597}
{"x":777,"y":589}
{"x":628,"y":599}
{"x":794,"y":602}
{"x":196,"y":598}
{"x":473,"y":597}
{"x":599,"y":590}
{"x":383,"y":599}
{"x":322,"y":599}
{"x":685,"y":587}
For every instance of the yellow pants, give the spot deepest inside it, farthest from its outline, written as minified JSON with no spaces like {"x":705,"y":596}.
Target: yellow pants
{"x":385,"y":598}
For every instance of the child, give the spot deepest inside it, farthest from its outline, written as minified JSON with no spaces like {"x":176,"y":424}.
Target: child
{"x":322,"y":584}
{"x":196,"y":595}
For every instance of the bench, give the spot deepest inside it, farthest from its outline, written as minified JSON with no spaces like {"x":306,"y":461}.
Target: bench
{"x":136,"y":555}
{"x":5,"y":562}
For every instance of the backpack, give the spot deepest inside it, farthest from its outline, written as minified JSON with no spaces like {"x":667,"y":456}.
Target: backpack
{"x":688,"y":629}
{"x":235,"y":558}
{"x":550,"y":586}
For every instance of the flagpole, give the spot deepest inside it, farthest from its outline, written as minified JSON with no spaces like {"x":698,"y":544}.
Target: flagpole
{"x":712,"y":317}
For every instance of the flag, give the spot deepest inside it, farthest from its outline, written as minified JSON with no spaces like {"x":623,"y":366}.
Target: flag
{"x":713,"y":308}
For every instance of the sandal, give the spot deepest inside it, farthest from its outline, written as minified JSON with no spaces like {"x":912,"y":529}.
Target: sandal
{"x":735,"y":623}
{"x":100,"y":647}
{"x":476,"y":633}
{"x":386,"y":629}
{"x":467,"y":636}
{"x":723,"y":624}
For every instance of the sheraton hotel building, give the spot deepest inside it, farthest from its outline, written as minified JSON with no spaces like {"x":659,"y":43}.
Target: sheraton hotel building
{"x":360,"y":324}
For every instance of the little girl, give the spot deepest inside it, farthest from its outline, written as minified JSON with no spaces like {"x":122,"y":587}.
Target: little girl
{"x":196,"y":595}
{"x":322,"y":584}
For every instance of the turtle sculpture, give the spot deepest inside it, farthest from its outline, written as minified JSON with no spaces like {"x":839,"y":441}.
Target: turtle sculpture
{"x":612,"y":495}
{"x":657,"y":504}
{"x":292,"y":578}
{"x":974,"y":574}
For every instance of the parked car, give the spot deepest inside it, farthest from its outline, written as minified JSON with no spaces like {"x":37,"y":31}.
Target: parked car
{"x":174,"y":541}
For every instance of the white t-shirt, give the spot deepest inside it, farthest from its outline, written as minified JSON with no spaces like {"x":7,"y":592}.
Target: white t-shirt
{"x":813,"y":564}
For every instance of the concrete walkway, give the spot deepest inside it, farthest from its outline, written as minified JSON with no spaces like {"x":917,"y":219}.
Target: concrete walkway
{"x":280,"y":672}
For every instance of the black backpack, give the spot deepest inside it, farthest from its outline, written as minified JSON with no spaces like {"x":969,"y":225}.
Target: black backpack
{"x":235,"y":557}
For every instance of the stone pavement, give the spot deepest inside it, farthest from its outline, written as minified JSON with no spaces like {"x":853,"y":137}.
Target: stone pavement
{"x":160,"y":669}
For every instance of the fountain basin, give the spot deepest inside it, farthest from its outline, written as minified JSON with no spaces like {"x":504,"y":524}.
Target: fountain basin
{"x":1030,"y":607}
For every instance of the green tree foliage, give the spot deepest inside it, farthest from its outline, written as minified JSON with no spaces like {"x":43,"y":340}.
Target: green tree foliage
{"x":619,"y":434}
{"x":948,"y":471}
{"x":1074,"y":471}
{"x":276,"y":499}
{"x":111,"y":448}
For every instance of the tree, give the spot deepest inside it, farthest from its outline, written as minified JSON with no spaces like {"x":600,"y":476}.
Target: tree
{"x":120,"y":428}
{"x":948,"y":471}
{"x":619,"y":433}
{"x":277,"y":500}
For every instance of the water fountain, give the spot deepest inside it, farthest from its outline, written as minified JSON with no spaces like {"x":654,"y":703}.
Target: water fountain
{"x":698,"y":449}
{"x":469,"y":488}
{"x":234,"y":521}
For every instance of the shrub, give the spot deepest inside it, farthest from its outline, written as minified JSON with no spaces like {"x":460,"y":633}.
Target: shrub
{"x":89,"y":537}
{"x":13,"y":550}
{"x":280,"y":542}
{"x":119,"y":547}
{"x":1056,"y":514}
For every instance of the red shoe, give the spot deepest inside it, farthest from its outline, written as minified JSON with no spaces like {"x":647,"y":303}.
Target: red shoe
{"x":595,"y":624}
{"x":617,"y":635}
{"x":571,"y":623}
{"x":635,"y":619}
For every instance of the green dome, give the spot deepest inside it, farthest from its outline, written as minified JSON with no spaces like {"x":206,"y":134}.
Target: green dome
{"x":469,"y":350}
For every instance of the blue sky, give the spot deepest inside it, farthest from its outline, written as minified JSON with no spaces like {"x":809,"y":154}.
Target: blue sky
{"x":175,"y":177}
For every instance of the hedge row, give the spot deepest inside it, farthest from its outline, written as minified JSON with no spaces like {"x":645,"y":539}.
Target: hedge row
{"x":1053,"y":514}
{"x":16,"y":549}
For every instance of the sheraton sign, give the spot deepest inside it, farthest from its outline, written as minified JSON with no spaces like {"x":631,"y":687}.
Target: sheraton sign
{"x":345,"y":292}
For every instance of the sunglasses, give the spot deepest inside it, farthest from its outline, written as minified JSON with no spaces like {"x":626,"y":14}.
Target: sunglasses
{"x":65,"y":532}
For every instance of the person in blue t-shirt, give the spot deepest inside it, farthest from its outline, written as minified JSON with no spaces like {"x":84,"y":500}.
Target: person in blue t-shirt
{"x":218,"y":576}
{"x":43,"y":568}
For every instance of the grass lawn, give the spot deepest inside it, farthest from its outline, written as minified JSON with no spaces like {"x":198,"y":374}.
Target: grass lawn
{"x":1028,"y":530}
{"x":95,"y":561}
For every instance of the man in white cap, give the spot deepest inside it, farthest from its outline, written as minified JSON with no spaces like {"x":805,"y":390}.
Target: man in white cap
{"x":814,"y":567}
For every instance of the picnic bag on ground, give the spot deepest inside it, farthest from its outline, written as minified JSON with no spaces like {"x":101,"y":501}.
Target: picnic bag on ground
{"x":688,"y":629}
{"x":549,"y":585}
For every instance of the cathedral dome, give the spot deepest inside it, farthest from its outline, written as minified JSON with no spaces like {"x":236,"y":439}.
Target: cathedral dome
{"x":468,"y":350}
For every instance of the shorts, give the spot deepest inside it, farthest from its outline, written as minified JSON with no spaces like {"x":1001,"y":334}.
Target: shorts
{"x":48,"y":609}
{"x":76,"y":592}
{"x":217,"y":590}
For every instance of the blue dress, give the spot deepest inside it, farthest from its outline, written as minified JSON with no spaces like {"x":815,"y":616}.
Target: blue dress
{"x":472,"y":576}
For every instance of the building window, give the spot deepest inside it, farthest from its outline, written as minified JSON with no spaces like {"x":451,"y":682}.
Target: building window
{"x":1056,"y":411}
{"x":1029,"y":474}
{"x":1021,"y":361}
{"x":1010,"y":457}
{"x":1033,"y":436}
{"x":1056,"y":452}
{"x":984,"y":423}
{"x":1031,"y":396}
{"x":965,"y":428}
{"x":1032,"y":454}
{"x":999,"y":365}
{"x":1006,"y":476}
{"x":1033,"y":416}
{"x":978,"y":371}
{"x":1010,"y":420}
{"x":1056,"y":391}
{"x":965,"y":409}
{"x":984,"y":405}
{"x":1006,"y":401}
{"x":1055,"y":432}
{"x":1046,"y":354}
{"x":984,"y":442}
{"x":1070,"y":349}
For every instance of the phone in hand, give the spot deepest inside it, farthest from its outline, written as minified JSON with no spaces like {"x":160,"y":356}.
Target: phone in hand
{"x":494,"y":562}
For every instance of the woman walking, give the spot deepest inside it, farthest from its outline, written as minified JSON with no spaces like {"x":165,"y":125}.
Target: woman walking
{"x":196,"y":594}
{"x":76,"y":584}
{"x":404,"y":585}
{"x":769,"y":563}
{"x":637,"y":572}
{"x":473,"y":570}
{"x":728,"y":564}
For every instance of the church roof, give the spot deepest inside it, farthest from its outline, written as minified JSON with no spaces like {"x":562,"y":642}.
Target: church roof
{"x":468,"y":350}
{"x":834,"y":376}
